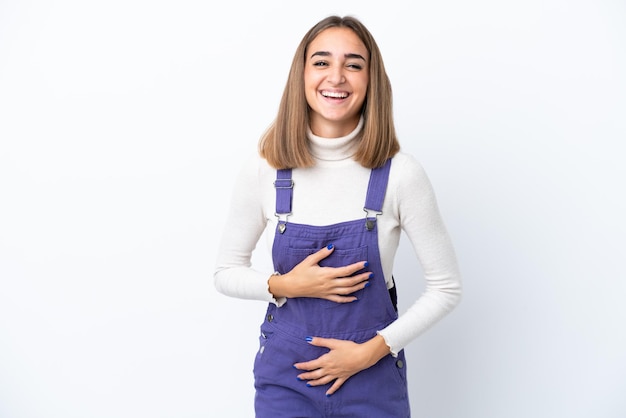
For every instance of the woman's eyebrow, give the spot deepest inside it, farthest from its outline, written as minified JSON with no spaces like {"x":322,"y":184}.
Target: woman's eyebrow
{"x":353,"y":55}
{"x":327,"y":54}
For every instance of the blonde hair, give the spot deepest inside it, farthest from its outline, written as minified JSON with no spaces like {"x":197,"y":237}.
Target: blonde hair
{"x":285,"y":144}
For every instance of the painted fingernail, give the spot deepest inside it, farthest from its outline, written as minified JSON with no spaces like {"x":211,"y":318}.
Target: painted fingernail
{"x":368,"y":284}
{"x":328,"y":395}
{"x":329,"y":246}
{"x":298,"y":378}
{"x":309,"y":339}
{"x":294,"y":366}
{"x":371,"y":275}
{"x":366,"y":264}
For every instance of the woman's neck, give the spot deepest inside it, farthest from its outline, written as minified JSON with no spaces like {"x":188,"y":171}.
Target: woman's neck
{"x":334,"y":149}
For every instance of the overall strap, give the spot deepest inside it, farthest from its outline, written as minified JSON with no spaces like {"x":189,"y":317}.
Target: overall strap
{"x":376,"y":193}
{"x":374,"y":203}
{"x":377,"y":187}
{"x":284,"y":195}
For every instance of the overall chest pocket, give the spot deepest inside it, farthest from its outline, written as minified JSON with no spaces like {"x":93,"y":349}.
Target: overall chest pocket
{"x":338,"y":258}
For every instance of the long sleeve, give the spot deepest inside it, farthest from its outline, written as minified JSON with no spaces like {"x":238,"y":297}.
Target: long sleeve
{"x":234,"y":275}
{"x":420,"y":219}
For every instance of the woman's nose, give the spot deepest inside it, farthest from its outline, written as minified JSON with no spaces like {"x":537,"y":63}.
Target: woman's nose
{"x":336,"y":76}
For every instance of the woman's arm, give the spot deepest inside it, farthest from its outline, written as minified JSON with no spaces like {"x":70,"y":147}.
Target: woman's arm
{"x":421,"y":220}
{"x":242,"y":230}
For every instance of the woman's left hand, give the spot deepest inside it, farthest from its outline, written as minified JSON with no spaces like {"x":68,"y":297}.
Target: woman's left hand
{"x":345,"y":359}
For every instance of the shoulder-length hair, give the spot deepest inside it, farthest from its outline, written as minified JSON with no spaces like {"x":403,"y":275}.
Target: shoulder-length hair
{"x":285,"y":145}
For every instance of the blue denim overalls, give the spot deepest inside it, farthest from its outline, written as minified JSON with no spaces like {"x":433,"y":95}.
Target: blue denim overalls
{"x":377,"y":392}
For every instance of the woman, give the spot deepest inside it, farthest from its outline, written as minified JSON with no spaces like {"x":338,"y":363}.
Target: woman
{"x":335,"y":191}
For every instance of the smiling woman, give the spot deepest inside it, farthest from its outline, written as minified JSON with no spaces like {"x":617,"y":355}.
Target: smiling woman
{"x":331,"y":340}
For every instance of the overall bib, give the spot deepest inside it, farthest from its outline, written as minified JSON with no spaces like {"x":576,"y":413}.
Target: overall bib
{"x":379,"y":391}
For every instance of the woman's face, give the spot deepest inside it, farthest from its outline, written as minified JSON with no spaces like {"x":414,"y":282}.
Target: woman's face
{"x":336,"y":76}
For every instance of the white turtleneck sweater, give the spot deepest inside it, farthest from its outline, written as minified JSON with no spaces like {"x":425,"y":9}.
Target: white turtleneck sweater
{"x":334,"y":191}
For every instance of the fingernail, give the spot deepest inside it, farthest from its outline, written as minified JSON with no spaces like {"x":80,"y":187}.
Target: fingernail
{"x":366,"y":264}
{"x":355,"y":300}
{"x":298,"y":378}
{"x":309,"y":385}
{"x":371,"y":275}
{"x":328,"y":395}
{"x":309,"y":339}
{"x":294,"y":366}
{"x":368,"y":284}
{"x":329,"y":246}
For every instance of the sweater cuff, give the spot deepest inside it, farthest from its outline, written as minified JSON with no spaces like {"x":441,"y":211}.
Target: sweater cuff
{"x":276,"y":301}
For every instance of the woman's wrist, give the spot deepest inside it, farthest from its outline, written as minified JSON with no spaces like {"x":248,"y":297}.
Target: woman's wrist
{"x":275,"y":285}
{"x":376,"y":349}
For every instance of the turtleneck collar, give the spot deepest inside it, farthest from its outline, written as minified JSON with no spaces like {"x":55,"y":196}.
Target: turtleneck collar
{"x":334,"y":149}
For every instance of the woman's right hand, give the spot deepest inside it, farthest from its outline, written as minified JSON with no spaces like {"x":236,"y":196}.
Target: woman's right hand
{"x":309,"y":279}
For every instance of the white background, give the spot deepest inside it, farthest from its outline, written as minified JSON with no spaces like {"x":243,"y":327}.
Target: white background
{"x":122,"y":124}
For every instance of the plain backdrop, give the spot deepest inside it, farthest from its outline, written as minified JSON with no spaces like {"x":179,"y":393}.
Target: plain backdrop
{"x":122,"y":126}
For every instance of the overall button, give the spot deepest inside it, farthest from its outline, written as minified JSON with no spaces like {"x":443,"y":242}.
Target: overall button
{"x":399,"y":364}
{"x":270,"y":317}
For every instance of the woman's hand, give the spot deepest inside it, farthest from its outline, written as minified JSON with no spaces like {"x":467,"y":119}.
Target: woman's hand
{"x":345,"y":359}
{"x":309,"y":279}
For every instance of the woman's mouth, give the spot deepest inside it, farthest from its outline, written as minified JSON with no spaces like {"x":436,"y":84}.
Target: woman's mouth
{"x":335,"y":94}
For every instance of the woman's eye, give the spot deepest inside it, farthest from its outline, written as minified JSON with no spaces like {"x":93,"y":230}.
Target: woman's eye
{"x":355,"y":66}
{"x":320,"y":64}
